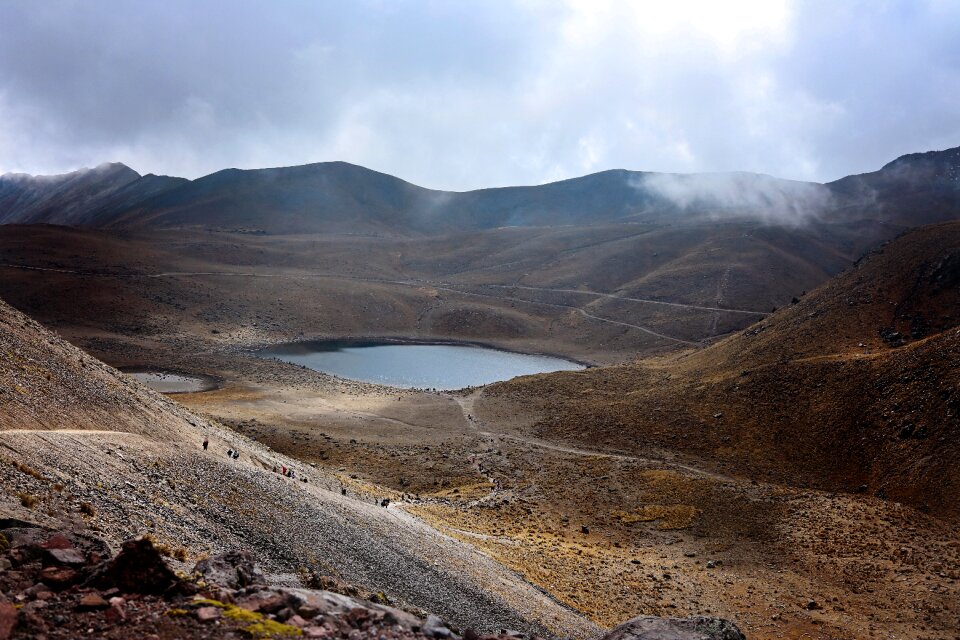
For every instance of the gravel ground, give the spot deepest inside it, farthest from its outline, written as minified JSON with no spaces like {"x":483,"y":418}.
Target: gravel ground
{"x":203,"y":502}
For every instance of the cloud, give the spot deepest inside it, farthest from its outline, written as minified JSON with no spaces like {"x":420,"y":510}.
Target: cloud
{"x":728,"y":195}
{"x":466,"y":95}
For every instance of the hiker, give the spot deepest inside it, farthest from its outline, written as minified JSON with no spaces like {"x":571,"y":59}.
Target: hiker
{"x":230,"y":452}
{"x":236,"y":454}
{"x":206,"y":443}
{"x":343,"y":491}
{"x":385,"y":503}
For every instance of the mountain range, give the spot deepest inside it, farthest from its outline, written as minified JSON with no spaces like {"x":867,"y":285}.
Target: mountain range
{"x":337,"y":197}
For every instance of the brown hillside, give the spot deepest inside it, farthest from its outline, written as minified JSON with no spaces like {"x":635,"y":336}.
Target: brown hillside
{"x":47,"y":384}
{"x":856,"y":387}
{"x":85,"y":449}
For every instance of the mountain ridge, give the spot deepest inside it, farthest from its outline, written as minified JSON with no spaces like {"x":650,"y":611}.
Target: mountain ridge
{"x":342,"y":197}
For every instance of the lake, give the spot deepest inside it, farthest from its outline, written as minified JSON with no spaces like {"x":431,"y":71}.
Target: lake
{"x":419,"y":366}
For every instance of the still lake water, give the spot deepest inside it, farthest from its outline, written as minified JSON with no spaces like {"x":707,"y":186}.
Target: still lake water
{"x":421,"y":366}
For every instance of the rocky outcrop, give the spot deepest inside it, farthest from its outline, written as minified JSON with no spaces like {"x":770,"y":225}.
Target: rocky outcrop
{"x":61,"y":585}
{"x":138,"y":568}
{"x":234,"y":570}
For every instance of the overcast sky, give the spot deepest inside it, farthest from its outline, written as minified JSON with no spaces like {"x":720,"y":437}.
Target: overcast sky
{"x":458,"y":95}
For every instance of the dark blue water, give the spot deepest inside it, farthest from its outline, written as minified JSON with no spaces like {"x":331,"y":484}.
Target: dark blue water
{"x":422,"y":366}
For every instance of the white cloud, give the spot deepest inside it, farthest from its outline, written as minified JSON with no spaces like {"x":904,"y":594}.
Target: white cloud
{"x":465,"y":95}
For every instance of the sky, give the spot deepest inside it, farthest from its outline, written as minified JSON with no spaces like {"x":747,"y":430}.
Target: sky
{"x":460,"y":94}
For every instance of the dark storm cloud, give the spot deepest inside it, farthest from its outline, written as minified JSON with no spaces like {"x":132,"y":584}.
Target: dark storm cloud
{"x":461,"y":95}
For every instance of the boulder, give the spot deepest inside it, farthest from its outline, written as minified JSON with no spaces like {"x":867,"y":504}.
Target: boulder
{"x":653,"y":628}
{"x":61,"y":556}
{"x":59,"y":577}
{"x":434,"y":627}
{"x":234,"y":570}
{"x":138,"y":568}
{"x":207,"y":614}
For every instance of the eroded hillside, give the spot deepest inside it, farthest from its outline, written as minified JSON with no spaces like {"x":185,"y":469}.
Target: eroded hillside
{"x":853,"y":388}
{"x":84,"y":448}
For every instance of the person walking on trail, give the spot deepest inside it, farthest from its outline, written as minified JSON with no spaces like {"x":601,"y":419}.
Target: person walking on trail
{"x":206,"y":442}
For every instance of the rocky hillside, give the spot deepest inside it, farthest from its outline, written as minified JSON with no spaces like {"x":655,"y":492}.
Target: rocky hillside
{"x":67,"y":585}
{"x":62,"y":199}
{"x":85,"y":448}
{"x":47,"y":384}
{"x":853,"y":388}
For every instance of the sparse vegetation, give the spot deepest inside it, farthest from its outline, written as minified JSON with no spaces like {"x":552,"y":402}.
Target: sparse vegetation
{"x":177,"y":553}
{"x":87,"y":509}
{"x":257,"y":625}
{"x":28,"y":500}
{"x":33,"y":473}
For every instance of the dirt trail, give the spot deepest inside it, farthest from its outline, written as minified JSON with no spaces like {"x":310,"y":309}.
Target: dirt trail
{"x":614,"y":296}
{"x":406,"y":283}
{"x":468,"y":402}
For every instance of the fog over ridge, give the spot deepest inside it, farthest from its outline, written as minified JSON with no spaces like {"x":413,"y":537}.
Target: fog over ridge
{"x":725,"y":195}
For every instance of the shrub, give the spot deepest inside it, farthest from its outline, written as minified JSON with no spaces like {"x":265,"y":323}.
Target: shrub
{"x":28,"y":500}
{"x":28,"y":470}
{"x":87,"y":509}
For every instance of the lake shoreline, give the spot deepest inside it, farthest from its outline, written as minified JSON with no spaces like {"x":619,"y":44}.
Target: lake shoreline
{"x":415,"y":364}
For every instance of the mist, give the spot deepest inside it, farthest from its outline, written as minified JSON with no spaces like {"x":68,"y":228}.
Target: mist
{"x":721,"y":196}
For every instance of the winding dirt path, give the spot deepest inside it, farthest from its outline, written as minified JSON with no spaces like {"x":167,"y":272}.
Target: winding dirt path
{"x":468,"y":402}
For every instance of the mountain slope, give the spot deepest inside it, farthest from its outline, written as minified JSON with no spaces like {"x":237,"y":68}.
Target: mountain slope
{"x":61,"y":199}
{"x":856,"y":387}
{"x":86,"y":448}
{"x":913,"y":190}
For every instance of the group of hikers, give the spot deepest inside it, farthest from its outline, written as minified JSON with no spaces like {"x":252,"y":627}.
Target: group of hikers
{"x":233,"y":454}
{"x":285,"y":471}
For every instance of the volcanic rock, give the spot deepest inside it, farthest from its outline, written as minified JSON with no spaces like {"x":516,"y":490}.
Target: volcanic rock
{"x":696,"y":628}
{"x":234,"y":569}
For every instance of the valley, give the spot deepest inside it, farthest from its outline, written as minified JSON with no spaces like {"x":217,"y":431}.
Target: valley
{"x":767,"y":431}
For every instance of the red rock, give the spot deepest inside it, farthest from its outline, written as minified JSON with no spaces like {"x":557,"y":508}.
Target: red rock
{"x":59,"y":577}
{"x":297,"y":621}
{"x":8,"y":619}
{"x":315,"y":632}
{"x":271,"y":604}
{"x":57,"y":541}
{"x":92,"y":601}
{"x":207,"y":614}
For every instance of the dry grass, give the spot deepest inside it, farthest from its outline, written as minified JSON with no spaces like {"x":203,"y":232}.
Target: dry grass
{"x":27,"y":500}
